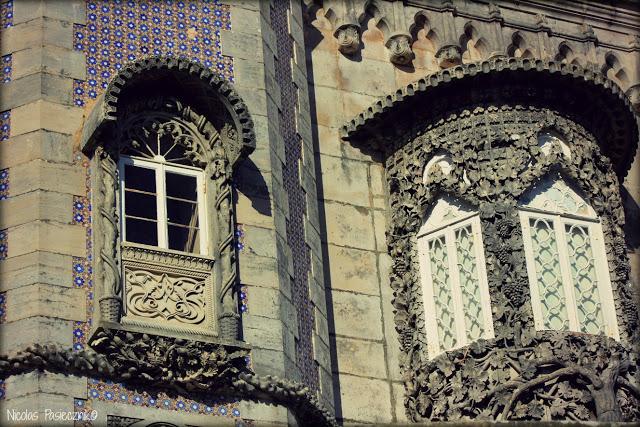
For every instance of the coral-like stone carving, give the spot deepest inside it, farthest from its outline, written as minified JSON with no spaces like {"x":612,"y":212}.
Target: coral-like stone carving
{"x":348,"y":36}
{"x":399,"y":46}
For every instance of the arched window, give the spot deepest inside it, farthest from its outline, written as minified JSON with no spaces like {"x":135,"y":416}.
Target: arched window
{"x":566,"y":261}
{"x":453,"y":276}
{"x":162,"y":196}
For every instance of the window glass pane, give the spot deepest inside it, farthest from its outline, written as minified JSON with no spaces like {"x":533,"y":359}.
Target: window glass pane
{"x":469,"y":283}
{"x":583,"y":274}
{"x":182,"y":186}
{"x":141,"y":231}
{"x":140,"y":204}
{"x":137,"y":178}
{"x":548,"y":274}
{"x":183,"y":213}
{"x":442,"y":292}
{"x":185,"y":239}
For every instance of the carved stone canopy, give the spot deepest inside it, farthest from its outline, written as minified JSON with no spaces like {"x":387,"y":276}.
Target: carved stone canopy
{"x":595,"y":101}
{"x":208,"y":93}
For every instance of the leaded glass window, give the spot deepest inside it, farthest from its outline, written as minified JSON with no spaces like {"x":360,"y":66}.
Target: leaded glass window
{"x":454,"y":279}
{"x":566,"y":261}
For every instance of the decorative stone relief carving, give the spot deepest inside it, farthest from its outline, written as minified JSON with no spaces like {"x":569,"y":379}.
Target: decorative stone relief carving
{"x":449,"y":55}
{"x":399,"y":46}
{"x":522,"y":373}
{"x":348,"y":36}
{"x":168,"y":291}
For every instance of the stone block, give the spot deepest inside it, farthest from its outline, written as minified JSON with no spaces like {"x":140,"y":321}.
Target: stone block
{"x":378,"y":183}
{"x":37,"y":32}
{"x":369,"y":400}
{"x":262,"y":332}
{"x":345,"y":180}
{"x":248,"y":73}
{"x":252,"y":181}
{"x":390,"y":333}
{"x":42,"y":175}
{"x":329,"y":106}
{"x":262,"y":412}
{"x":45,"y":382}
{"x":245,"y":20}
{"x":330,"y":143}
{"x":325,"y":378}
{"x":18,"y":335}
{"x":361,"y":357}
{"x":264,"y":302}
{"x":268,"y":362}
{"x":49,"y":146}
{"x":356,"y":103}
{"x":321,"y":325}
{"x":47,"y":236}
{"x":353,"y":270}
{"x":357,"y":315}
{"x":255,"y":99}
{"x":72,"y":11}
{"x":380,"y":76}
{"x":36,"y":86}
{"x":321,"y":351}
{"x":44,"y":404}
{"x":36,"y":205}
{"x":45,"y":115}
{"x":49,"y":59}
{"x":254,"y":211}
{"x":398,"y":399}
{"x":349,"y":225}
{"x":380,"y":225}
{"x":241,"y":45}
{"x":48,"y":301}
{"x":317,"y":296}
{"x":36,"y":267}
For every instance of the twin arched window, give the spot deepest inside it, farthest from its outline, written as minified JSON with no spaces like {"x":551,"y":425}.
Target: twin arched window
{"x":565,"y":255}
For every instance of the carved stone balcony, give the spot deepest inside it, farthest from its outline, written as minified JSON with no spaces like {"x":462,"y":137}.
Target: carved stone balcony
{"x":168,"y":291}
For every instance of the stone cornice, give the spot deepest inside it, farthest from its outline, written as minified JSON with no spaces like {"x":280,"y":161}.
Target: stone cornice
{"x":416,"y":97}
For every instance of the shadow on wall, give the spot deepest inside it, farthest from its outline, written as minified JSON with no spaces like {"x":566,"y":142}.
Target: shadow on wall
{"x":250,"y":182}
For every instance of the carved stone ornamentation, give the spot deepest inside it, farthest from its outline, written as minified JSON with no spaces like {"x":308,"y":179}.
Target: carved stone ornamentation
{"x":348,"y":37}
{"x":399,"y":46}
{"x":449,"y":56}
{"x":491,"y":134}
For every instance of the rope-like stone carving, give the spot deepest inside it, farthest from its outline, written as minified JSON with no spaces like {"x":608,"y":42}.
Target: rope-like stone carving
{"x":522,"y":373}
{"x":110,"y":301}
{"x":173,"y":365}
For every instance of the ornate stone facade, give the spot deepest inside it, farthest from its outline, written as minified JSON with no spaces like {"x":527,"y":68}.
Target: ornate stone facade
{"x":327,"y":136}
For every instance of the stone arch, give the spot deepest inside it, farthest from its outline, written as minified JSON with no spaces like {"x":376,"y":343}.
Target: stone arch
{"x":614,"y":69}
{"x":426,"y":41}
{"x":567,"y":54}
{"x":474,"y":46}
{"x":519,"y":47}
{"x":214,"y":97}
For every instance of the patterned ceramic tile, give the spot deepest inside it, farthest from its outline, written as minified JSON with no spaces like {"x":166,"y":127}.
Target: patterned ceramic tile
{"x":5,"y":75}
{"x":4,"y":246}
{"x":83,"y":279}
{"x":118,"y":32}
{"x":3,"y":307}
{"x":4,"y":184}
{"x":5,"y":125}
{"x":6,"y":13}
{"x":81,"y":211}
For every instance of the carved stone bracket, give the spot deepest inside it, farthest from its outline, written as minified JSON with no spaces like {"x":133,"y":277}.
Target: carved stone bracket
{"x":399,"y":46}
{"x":348,"y":36}
{"x":449,"y":56}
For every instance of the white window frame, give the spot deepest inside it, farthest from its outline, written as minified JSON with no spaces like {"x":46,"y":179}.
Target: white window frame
{"x":160,"y":168}
{"x":448,"y":230}
{"x":596,"y":238}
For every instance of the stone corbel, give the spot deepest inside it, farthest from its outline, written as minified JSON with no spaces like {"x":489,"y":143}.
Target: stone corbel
{"x":348,"y":36}
{"x":399,"y":46}
{"x":449,"y":56}
{"x":497,"y":21}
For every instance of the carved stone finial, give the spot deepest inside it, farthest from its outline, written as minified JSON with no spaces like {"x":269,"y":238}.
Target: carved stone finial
{"x":348,"y":36}
{"x":399,"y":46}
{"x":494,"y":12}
{"x":634,"y":96}
{"x":448,"y":5}
{"x":449,"y":56}
{"x":635,"y":42}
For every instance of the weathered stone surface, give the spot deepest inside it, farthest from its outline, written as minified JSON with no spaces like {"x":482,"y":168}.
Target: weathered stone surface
{"x":357,"y":315}
{"x":47,"y":301}
{"x":353,"y":270}
{"x":45,"y":115}
{"x":35,"y":205}
{"x":42,"y":175}
{"x":41,"y":144}
{"x":349,"y":225}
{"x":47,"y":236}
{"x":361,"y":357}
{"x":369,"y":399}
{"x":345,"y":180}
{"x":36,"y":267}
{"x":18,"y":335}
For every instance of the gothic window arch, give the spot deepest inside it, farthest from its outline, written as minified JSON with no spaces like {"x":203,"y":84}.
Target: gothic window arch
{"x":454,"y":285}
{"x":566,"y":260}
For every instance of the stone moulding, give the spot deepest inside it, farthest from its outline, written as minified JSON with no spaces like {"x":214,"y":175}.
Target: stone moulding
{"x":173,"y":365}
{"x":104,"y":113}
{"x":491,"y":134}
{"x":622,"y":134}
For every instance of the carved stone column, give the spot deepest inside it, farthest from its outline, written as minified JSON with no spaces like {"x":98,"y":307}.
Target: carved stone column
{"x":450,"y":53}
{"x":348,"y":36}
{"x":497,"y":41}
{"x":399,"y":46}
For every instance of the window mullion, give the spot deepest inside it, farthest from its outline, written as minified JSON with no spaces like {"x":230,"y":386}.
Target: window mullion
{"x":481,"y":270}
{"x":455,"y":286}
{"x":565,"y":269}
{"x":428,"y":298}
{"x":203,"y":223}
{"x":161,"y":204}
